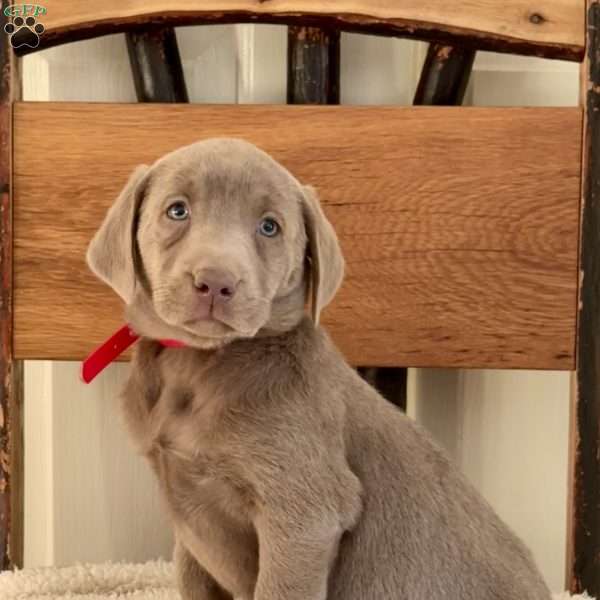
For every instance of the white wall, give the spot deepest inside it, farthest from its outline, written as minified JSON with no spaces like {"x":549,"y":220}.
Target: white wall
{"x":89,"y":498}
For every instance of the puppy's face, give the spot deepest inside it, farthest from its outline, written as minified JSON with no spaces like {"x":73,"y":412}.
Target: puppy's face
{"x":221,"y":240}
{"x":216,"y":241}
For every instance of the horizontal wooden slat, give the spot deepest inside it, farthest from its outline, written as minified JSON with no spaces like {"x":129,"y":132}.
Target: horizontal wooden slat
{"x":459,"y":226}
{"x":553,"y":28}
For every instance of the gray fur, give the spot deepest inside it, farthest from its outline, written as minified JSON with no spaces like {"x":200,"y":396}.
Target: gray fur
{"x":260,"y":434}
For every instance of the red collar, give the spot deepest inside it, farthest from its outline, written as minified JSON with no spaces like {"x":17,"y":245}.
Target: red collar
{"x":111,"y":349}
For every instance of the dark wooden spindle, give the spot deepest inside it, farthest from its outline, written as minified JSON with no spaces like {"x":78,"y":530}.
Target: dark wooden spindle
{"x":313,"y":66}
{"x":445,"y":76}
{"x":390,"y":382}
{"x":156,"y":65}
{"x":584,"y":528}
{"x":314,"y":78}
{"x":443,"y":81}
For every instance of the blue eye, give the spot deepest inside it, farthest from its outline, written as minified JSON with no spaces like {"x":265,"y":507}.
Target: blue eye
{"x":178,"y":211}
{"x":269,"y":228}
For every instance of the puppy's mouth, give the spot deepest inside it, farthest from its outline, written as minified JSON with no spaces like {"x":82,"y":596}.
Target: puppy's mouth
{"x":209,"y":324}
{"x":209,"y":310}
{"x":172,"y":312}
{"x":215,"y":322}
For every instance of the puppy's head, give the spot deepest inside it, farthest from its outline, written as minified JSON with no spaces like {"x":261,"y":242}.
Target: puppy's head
{"x":217,"y":241}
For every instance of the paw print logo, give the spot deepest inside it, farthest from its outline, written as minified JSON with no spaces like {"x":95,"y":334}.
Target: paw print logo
{"x":24,"y":32}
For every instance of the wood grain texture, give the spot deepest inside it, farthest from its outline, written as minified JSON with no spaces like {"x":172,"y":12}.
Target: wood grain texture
{"x":443,"y":82}
{"x":553,"y":28}
{"x":460,"y":227}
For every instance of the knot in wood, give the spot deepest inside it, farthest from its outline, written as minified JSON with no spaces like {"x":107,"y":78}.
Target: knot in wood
{"x":537,"y":18}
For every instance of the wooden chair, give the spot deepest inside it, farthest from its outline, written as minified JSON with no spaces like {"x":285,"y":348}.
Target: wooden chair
{"x":472,"y":221}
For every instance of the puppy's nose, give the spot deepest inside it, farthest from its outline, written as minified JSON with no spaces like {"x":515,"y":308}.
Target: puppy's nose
{"x":217,"y":285}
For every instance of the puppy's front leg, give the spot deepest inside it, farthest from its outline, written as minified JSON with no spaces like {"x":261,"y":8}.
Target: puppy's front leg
{"x":305,"y":498}
{"x":193,"y":581}
{"x":295,"y":555}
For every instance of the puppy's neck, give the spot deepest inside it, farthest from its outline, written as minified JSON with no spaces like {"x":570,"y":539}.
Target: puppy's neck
{"x":264,"y":361}
{"x":264,"y":352}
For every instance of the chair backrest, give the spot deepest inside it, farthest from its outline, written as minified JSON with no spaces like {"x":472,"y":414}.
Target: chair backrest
{"x":460,"y":226}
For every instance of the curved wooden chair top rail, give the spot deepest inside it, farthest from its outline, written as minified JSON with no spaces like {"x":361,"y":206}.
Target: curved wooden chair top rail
{"x":553,"y":28}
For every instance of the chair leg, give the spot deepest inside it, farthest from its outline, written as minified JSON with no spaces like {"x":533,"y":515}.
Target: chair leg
{"x":583,"y":555}
{"x":11,"y":371}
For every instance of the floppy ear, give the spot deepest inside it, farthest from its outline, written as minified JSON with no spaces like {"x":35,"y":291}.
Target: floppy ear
{"x":324,"y":254}
{"x":112,"y":254}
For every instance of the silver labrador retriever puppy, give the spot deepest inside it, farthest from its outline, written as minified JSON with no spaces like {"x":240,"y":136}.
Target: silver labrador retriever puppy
{"x":286,"y":476}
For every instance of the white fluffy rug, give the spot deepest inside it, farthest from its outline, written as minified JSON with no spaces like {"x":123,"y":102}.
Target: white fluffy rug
{"x":150,"y":581}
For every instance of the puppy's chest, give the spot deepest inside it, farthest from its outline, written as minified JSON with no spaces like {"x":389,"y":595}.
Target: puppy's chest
{"x":196,"y":450}
{"x":189,"y":408}
{"x":206,"y":490}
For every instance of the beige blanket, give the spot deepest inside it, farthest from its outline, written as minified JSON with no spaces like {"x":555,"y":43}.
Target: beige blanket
{"x":110,"y":581}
